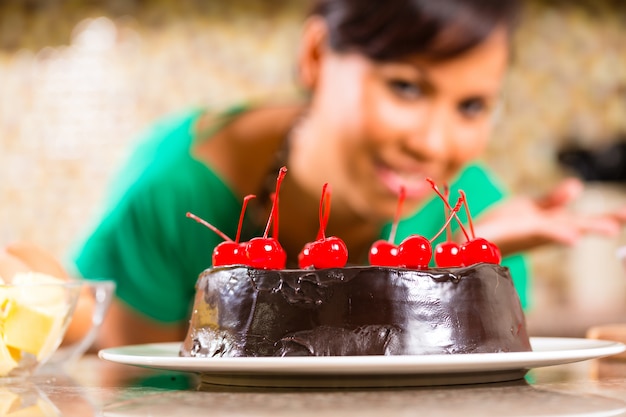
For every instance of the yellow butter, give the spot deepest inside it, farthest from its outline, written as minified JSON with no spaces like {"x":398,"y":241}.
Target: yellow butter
{"x":16,"y":354}
{"x":8,"y":361}
{"x":25,"y":328}
{"x":33,"y":315}
{"x":54,"y":337}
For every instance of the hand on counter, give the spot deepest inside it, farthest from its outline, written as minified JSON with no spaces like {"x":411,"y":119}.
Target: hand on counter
{"x":23,"y":257}
{"x":523,"y":223}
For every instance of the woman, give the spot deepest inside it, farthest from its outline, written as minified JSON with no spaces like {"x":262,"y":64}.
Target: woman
{"x":398,"y":91}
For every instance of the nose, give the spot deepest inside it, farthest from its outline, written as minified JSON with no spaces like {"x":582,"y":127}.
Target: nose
{"x":429,"y":138}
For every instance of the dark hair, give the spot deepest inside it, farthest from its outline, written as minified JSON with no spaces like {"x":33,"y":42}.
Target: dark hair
{"x":391,"y":29}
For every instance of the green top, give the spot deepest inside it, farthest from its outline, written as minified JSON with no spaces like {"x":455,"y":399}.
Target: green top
{"x":147,"y":245}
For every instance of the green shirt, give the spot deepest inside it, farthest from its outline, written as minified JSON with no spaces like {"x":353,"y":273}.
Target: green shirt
{"x":145,"y":242}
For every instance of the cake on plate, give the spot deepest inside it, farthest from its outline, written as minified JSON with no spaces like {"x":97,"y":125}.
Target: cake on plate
{"x":249,"y":305}
{"x":242,"y":311}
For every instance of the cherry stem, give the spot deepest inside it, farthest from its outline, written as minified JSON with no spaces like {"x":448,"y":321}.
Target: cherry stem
{"x":274,"y":212}
{"x":241,"y":215}
{"x":210,"y":226}
{"x":446,"y":193}
{"x":467,"y":211}
{"x":396,"y":219}
{"x":436,"y":189}
{"x":324,"y":212}
{"x":456,"y":208}
{"x":327,"y":209}
{"x":272,"y":197}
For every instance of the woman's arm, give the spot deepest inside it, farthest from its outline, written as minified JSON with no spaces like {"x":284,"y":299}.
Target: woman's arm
{"x":22,"y":257}
{"x":19,"y":257}
{"x":521,"y":223}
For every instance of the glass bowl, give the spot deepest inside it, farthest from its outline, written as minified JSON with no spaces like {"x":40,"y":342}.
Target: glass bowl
{"x":34,"y":315}
{"x":101,"y":293}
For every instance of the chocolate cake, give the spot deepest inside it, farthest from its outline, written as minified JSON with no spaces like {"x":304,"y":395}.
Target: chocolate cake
{"x":243,"y":311}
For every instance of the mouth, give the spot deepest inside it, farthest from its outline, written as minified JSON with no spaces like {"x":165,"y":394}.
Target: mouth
{"x":413,"y":181}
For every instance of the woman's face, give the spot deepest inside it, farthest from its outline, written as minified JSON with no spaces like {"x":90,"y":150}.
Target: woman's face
{"x":375,"y":127}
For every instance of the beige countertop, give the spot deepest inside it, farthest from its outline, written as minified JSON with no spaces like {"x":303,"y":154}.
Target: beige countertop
{"x":94,"y":387}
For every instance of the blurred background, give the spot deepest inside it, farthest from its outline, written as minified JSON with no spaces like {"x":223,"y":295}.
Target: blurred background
{"x":79,"y":79}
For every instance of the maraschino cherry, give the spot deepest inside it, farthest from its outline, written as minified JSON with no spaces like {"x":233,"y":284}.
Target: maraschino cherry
{"x":474,"y":250}
{"x":413,"y":252}
{"x":324,"y":252}
{"x":266,"y":252}
{"x":229,"y":252}
{"x":477,"y":249}
{"x":447,"y":253}
{"x":480,"y":250}
{"x":385,"y":252}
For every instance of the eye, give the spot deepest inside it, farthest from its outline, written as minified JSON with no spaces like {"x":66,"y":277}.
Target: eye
{"x":473,"y":107}
{"x":405,"y":89}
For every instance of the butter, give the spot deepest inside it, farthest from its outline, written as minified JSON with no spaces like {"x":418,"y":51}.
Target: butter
{"x":8,"y":362}
{"x":32,"y":317}
{"x":26,"y":328}
{"x":9,"y":357}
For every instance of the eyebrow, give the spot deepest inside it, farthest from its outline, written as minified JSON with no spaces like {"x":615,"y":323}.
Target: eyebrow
{"x":427,"y":82}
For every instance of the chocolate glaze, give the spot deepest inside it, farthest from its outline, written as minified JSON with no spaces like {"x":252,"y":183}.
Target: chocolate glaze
{"x":241,"y":311}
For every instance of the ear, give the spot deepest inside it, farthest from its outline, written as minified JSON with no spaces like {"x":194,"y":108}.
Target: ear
{"x":311,"y":51}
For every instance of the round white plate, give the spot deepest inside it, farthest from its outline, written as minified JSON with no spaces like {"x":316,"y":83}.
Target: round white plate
{"x":366,"y":371}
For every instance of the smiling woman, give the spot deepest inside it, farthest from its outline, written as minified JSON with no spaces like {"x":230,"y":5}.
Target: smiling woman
{"x":398,"y":92}
{"x":400,"y":121}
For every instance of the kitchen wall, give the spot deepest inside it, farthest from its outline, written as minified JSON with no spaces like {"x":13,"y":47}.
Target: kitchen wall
{"x":80,"y":79}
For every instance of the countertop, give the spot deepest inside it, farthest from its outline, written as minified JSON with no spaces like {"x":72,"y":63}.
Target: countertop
{"x":95,"y":387}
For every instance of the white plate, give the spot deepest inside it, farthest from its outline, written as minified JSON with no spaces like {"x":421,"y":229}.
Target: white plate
{"x":366,"y":371}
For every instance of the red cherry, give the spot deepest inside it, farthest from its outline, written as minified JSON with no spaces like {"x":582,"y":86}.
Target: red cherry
{"x":383,"y":253}
{"x":330,"y":252}
{"x":324,"y":252}
{"x":496,"y":252}
{"x":229,"y":253}
{"x":479,"y":250}
{"x":414,"y":252}
{"x":265,"y":253}
{"x":448,"y":254}
{"x":474,"y":250}
{"x":304,"y":257}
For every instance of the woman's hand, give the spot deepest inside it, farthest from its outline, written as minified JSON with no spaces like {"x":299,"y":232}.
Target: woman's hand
{"x":28,"y":257}
{"x":10,"y":266}
{"x":523,"y":223}
{"x":20,"y":257}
